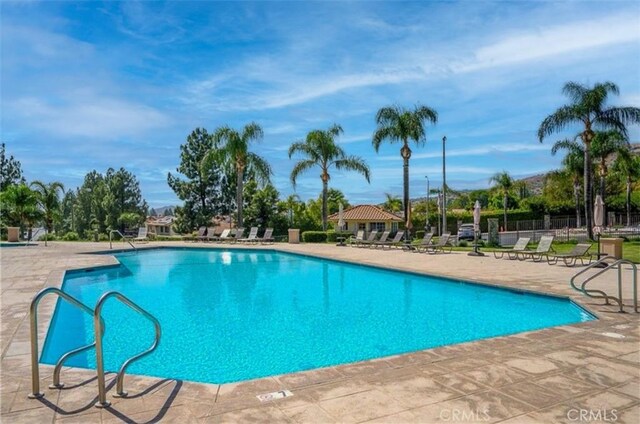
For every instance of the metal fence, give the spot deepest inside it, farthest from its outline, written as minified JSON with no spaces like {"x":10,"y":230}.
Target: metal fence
{"x":565,"y":229}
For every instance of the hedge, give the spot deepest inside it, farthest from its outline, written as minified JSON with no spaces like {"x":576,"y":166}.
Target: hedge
{"x":332,"y":235}
{"x":314,"y":237}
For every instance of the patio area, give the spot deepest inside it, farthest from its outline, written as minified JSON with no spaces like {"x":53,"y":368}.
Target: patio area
{"x":588,"y":372}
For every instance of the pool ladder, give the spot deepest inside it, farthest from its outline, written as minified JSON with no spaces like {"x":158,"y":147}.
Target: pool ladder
{"x":99,"y":328}
{"x":123,"y":239}
{"x":607,"y":266}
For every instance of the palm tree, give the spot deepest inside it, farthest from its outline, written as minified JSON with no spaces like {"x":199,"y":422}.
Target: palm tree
{"x":587,"y":109}
{"x":291,"y":204}
{"x":20,"y":205}
{"x":505,"y":184}
{"x":231,"y":149}
{"x":627,"y":165}
{"x":605,"y":144}
{"x":574,"y":164}
{"x":393,"y":203}
{"x":397,"y":124}
{"x":320,"y":149}
{"x":49,"y":202}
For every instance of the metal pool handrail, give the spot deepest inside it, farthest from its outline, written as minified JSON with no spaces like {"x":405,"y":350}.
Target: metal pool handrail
{"x":33,"y":317}
{"x":102,"y":392}
{"x":614,"y":265}
{"x":123,"y":239}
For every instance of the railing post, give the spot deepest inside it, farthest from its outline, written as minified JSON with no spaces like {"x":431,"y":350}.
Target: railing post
{"x":102,"y":391}
{"x":35,"y":366}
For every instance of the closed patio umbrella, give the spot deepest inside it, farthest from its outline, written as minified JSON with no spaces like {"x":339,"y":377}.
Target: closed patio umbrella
{"x":598,"y":214}
{"x":598,"y":218}
{"x":476,"y":229}
{"x":340,"y":216}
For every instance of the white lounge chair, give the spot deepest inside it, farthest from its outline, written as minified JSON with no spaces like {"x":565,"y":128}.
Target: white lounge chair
{"x":142,"y":235}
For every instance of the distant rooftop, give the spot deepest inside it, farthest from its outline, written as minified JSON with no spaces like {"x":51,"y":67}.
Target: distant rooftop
{"x":365,"y":213}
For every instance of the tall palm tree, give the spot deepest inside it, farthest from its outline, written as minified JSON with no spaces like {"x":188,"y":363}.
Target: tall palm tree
{"x":627,"y":165}
{"x":231,"y":149}
{"x":397,"y":124}
{"x":588,"y":109}
{"x":320,"y":149}
{"x":603,"y":146}
{"x":393,"y":203}
{"x":574,"y":164}
{"x":48,"y":201}
{"x":505,"y":184}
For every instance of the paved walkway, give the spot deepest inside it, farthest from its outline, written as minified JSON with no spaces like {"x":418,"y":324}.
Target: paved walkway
{"x":575,"y":373}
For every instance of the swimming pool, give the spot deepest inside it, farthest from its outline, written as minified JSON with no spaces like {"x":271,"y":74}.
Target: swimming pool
{"x":232,"y":315}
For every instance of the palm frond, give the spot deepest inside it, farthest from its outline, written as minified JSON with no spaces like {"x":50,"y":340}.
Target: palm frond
{"x":384,"y":133}
{"x":558,"y":121}
{"x":575,"y":91}
{"x":260,"y":167}
{"x":304,"y":148}
{"x":388,"y":115}
{"x":252,"y":132}
{"x":299,"y":168}
{"x":566,"y":144}
{"x":425,"y":113}
{"x":354,"y":163}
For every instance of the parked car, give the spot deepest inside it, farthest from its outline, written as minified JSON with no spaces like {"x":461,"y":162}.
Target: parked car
{"x":465,"y":232}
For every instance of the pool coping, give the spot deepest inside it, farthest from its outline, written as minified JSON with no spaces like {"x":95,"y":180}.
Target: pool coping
{"x":58,"y":278}
{"x":365,"y":389}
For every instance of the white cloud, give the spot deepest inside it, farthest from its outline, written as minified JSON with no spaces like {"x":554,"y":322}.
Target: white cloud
{"x":541,"y":43}
{"x":97,"y":117}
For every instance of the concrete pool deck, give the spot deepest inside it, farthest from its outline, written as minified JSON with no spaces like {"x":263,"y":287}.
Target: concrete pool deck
{"x":574,"y":373}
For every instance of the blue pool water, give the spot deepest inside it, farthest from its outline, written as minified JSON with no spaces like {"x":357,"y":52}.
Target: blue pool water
{"x":231,"y":315}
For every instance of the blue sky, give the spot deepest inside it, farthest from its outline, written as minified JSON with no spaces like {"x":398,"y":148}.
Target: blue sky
{"x":89,"y":85}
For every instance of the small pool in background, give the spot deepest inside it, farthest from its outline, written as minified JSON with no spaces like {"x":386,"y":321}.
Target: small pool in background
{"x":232,"y":315}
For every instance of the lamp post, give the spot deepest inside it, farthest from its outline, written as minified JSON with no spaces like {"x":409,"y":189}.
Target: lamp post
{"x":444,"y":188}
{"x":426,"y":224}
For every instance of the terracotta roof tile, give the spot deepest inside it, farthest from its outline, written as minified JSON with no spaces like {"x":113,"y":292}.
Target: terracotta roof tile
{"x":365,"y":213}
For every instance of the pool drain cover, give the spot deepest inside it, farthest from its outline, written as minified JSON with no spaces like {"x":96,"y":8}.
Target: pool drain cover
{"x":613,"y":335}
{"x":267,"y":397}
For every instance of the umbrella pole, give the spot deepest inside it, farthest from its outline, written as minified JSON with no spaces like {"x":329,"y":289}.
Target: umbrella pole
{"x":475,"y":251}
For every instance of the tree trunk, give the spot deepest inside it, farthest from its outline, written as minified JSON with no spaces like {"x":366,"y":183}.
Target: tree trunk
{"x":588,"y":194}
{"x":576,"y":196}
{"x":504,"y":205}
{"x":325,"y":190}
{"x":628,"y":201}
{"x":239,"y":187}
{"x":406,"y":155}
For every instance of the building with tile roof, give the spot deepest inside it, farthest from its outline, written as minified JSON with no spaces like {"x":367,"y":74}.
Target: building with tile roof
{"x":367,"y":217}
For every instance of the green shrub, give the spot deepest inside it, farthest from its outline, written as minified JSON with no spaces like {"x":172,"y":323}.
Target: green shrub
{"x":168,"y":238}
{"x":463,"y":243}
{"x":332,"y":236}
{"x":314,"y":237}
{"x":419,"y":234}
{"x":71,"y":236}
{"x":103,"y":237}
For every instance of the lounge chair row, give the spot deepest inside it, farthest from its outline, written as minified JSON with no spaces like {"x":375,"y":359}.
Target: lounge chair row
{"x":425,"y":245}
{"x":374,"y":242}
{"x":234,"y":235}
{"x":544,"y":251}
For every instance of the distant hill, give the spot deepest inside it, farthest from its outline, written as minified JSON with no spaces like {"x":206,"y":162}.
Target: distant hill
{"x":160,"y":211}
